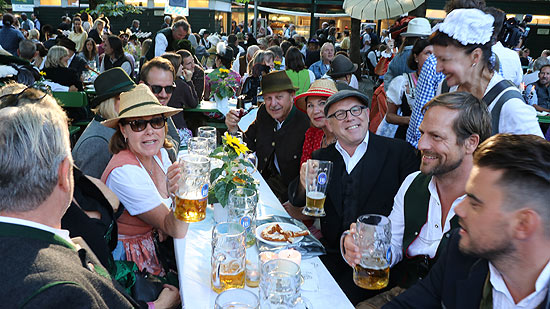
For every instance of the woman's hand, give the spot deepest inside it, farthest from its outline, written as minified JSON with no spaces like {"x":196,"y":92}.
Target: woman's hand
{"x":73,"y":88}
{"x":352,"y":254}
{"x":169,"y":298}
{"x":174,"y":176}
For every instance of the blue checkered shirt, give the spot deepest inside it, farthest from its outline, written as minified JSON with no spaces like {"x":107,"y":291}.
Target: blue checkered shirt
{"x":426,"y":88}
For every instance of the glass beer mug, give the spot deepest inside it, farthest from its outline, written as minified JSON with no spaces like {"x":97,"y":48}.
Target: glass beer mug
{"x":192,"y":193}
{"x":228,"y":256}
{"x":242,"y":209}
{"x":373,"y":237}
{"x":317,"y":179}
{"x":280,"y":282}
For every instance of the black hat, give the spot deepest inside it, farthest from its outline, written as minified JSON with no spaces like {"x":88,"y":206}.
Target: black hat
{"x":341,"y":66}
{"x":70,"y":45}
{"x":343,"y":94}
{"x":111,"y":83}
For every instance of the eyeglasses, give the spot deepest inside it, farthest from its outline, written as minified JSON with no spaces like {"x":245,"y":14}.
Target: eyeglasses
{"x":140,"y":124}
{"x":343,"y":114}
{"x":12,"y":99}
{"x":156,"y":89}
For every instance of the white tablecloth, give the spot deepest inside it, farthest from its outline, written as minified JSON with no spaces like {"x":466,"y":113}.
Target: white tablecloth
{"x":193,"y":259}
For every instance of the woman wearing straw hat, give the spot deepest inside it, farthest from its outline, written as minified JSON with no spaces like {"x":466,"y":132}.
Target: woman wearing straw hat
{"x":462,"y":44}
{"x":312,"y":102}
{"x":137,"y":175}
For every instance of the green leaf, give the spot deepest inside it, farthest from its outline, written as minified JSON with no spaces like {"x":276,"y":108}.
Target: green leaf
{"x":221,"y":194}
{"x":215,"y":173}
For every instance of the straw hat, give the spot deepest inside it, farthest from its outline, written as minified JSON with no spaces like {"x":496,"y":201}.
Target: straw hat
{"x":322,"y":87}
{"x":140,"y":102}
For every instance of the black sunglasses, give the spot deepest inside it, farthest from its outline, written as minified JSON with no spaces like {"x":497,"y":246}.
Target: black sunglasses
{"x":156,"y":89}
{"x":140,"y":124}
{"x":12,"y":99}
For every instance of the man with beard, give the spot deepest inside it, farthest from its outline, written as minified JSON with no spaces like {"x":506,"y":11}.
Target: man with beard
{"x":423,"y":211}
{"x":542,"y":88}
{"x":499,"y":258}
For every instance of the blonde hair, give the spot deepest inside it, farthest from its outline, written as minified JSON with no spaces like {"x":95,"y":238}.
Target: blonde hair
{"x":34,"y":34}
{"x":55,"y":54}
{"x":106,"y":109}
{"x":96,"y":22}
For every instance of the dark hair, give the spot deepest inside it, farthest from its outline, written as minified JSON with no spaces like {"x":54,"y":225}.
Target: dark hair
{"x":442,"y":39}
{"x":226,"y":61}
{"x":174,"y":58}
{"x":157,"y":62}
{"x":407,"y":41}
{"x":285,"y":45}
{"x":7,"y":20}
{"x":294,"y":60}
{"x":184,"y":53}
{"x":525,"y":164}
{"x":473,"y":117}
{"x":498,"y":24}
{"x":231,"y":39}
{"x":181,"y":23}
{"x":464,"y":4}
{"x":26,"y":49}
{"x":416,"y":50}
{"x":89,"y":55}
{"x":42,"y":51}
{"x":116,"y":44}
{"x":277,"y":51}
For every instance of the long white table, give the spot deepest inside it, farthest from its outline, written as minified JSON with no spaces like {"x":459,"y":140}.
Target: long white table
{"x":193,"y":259}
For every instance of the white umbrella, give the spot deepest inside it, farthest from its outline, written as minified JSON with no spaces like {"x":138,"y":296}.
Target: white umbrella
{"x":379,"y":9}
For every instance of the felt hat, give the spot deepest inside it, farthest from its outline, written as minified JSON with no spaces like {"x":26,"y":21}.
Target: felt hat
{"x":70,"y":45}
{"x":418,"y":27}
{"x":109,"y":84}
{"x":140,"y":102}
{"x":276,"y":81}
{"x":323,"y":87}
{"x":344,"y":94}
{"x":341,"y":66}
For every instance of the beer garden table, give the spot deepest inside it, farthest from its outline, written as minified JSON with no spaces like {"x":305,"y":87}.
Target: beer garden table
{"x":193,"y":260}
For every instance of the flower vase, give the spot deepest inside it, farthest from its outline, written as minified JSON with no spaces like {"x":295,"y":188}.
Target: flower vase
{"x":222,"y":104}
{"x":221,"y":214}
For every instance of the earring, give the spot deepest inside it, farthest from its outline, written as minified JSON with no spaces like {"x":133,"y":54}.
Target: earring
{"x":473,"y":64}
{"x":125,"y":140}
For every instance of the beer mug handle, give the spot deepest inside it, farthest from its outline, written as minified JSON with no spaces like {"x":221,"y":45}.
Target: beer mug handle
{"x":342,"y":245}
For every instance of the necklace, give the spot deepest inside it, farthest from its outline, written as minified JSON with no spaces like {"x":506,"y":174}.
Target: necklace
{"x":148,"y":171}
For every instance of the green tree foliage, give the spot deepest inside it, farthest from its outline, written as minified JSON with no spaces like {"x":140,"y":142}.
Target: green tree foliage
{"x":111,"y":8}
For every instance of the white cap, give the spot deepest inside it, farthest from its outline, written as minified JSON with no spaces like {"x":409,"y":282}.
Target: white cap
{"x":468,"y":26}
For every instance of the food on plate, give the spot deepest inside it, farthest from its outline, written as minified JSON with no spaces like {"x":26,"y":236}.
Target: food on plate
{"x":275,"y":232}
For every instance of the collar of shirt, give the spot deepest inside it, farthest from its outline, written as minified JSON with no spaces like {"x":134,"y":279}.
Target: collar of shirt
{"x":352,"y":161}
{"x":502,"y":297}
{"x":59,"y":232}
{"x":279,"y":124}
{"x":71,"y":59}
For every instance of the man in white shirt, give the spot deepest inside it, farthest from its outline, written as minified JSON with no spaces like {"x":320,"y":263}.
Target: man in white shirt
{"x":167,"y":39}
{"x":366,"y":174}
{"x":423,"y":210}
{"x":499,"y":258}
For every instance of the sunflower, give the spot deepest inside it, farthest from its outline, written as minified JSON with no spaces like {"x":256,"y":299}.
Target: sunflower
{"x":236,"y":144}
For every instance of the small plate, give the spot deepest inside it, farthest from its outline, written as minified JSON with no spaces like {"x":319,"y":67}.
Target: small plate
{"x":284,"y":226}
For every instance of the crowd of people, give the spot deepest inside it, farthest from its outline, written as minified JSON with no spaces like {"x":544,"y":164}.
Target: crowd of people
{"x":449,"y":148}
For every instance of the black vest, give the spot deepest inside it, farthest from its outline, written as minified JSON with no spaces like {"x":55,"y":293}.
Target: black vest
{"x":415,"y":206}
{"x":107,"y":64}
{"x":167,"y":32}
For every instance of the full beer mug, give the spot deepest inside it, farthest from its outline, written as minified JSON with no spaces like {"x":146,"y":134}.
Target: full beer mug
{"x":317,"y":179}
{"x":242,"y":209}
{"x":192,"y":193}
{"x":373,"y":237}
{"x":228,"y":256}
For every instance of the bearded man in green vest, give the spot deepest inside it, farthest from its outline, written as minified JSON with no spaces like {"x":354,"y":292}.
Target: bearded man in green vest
{"x":423,"y":211}
{"x":167,"y":39}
